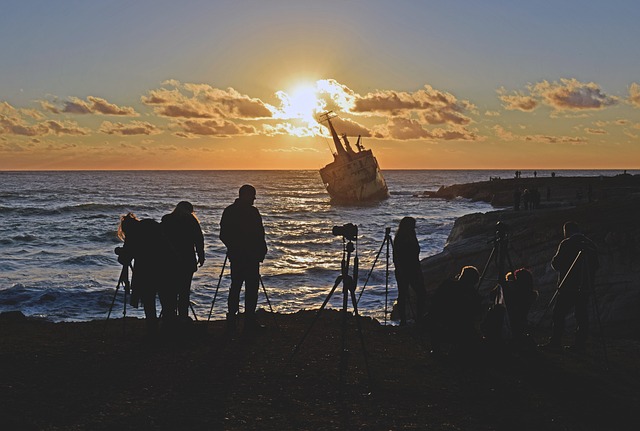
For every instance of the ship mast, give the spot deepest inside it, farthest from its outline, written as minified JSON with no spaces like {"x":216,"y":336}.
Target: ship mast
{"x":327,"y":116}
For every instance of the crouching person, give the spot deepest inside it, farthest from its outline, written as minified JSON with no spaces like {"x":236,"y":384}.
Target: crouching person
{"x":455,"y":312}
{"x":145,"y":248}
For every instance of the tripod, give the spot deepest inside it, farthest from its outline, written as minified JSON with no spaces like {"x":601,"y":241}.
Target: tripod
{"x":124,"y":281}
{"x":213,"y":302}
{"x":586,"y":284}
{"x":499,"y":254}
{"x":389,"y":243}
{"x":348,"y":289}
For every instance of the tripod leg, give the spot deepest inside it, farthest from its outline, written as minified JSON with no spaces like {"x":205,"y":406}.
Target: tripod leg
{"x":275,"y":321}
{"x":124,"y":312}
{"x":195,"y":316}
{"x":486,"y":266}
{"x":217,"y":287}
{"x":359,"y":327}
{"x":371,"y":271}
{"x":113,"y":301}
{"x":315,"y":319}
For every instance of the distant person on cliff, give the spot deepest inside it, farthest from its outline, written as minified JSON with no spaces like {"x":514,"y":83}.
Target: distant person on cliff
{"x":516,"y":199}
{"x":576,"y":276}
{"x":454,"y":313}
{"x":182,"y":229}
{"x":406,"y":259}
{"x":242,"y":231}
{"x":144,"y":246}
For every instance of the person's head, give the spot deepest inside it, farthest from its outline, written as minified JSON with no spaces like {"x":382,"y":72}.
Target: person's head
{"x":126,"y":222}
{"x":524,"y":277}
{"x":247,"y":193}
{"x":407,"y":226}
{"x":469,"y":275}
{"x":183,"y":207}
{"x":570,"y":228}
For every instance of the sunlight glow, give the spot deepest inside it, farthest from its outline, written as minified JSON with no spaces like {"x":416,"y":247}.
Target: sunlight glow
{"x":301,"y":103}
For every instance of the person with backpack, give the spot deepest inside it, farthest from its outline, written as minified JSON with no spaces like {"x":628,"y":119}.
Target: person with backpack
{"x":576,"y":262}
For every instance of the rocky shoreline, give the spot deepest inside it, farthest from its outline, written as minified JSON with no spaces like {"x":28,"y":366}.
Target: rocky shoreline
{"x":608,"y":215}
{"x":108,"y":375}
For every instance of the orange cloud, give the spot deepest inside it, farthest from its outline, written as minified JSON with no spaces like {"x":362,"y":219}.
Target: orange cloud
{"x":204,"y":101}
{"x":433,"y":106}
{"x":13,"y":122}
{"x":517,"y":101}
{"x":634,"y":94}
{"x":133,"y":128}
{"x":571,"y":94}
{"x":93,"y":105}
{"x":506,"y":135}
{"x":595,"y":131}
{"x":218,"y":128}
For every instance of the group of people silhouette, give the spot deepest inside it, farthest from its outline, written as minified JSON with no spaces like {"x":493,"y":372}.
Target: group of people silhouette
{"x":164,"y":256}
{"x":458,"y":318}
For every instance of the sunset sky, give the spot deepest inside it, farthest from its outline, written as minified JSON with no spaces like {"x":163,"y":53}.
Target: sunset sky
{"x":490,"y":84}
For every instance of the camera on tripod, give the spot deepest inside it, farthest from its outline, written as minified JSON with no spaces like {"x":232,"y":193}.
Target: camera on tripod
{"x":501,"y":233}
{"x":349,"y":231}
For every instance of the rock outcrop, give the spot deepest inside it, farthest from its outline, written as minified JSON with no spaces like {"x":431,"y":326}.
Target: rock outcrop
{"x":608,"y":215}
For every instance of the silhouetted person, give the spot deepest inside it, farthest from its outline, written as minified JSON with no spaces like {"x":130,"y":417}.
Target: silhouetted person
{"x":516,"y":199}
{"x":454,"y":312}
{"x":182,"y":229}
{"x":576,"y":288}
{"x":242,"y":231}
{"x":519,"y":296}
{"x":144,"y":245}
{"x":535,"y":198}
{"x":526,"y":199}
{"x":406,"y":259}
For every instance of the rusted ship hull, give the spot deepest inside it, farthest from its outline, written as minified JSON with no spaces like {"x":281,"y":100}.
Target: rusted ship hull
{"x":353,"y":176}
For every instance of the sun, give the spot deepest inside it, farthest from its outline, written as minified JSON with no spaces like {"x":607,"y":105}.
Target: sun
{"x":303,"y":103}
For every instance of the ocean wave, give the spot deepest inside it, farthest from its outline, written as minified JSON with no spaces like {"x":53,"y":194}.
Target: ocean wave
{"x":90,"y":260}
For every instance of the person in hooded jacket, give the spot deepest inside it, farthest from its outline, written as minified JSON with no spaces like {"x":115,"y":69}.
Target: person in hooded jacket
{"x":406,"y":259}
{"x":182,"y":229}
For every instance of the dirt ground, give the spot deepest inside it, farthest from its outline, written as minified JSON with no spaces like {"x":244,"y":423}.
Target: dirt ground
{"x":108,"y":375}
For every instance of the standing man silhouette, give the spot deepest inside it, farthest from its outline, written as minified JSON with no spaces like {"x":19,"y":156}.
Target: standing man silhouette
{"x":242,"y":231}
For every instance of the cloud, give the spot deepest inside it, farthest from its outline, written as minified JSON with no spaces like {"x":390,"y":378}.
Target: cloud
{"x":13,"y":122}
{"x":517,"y":101}
{"x":217,"y":128}
{"x":507,"y":135}
{"x":65,"y":128}
{"x":566,"y":95}
{"x":571,"y":94}
{"x":93,"y":105}
{"x":595,"y":131}
{"x":204,"y":101}
{"x":400,"y":128}
{"x":432,"y":106}
{"x":634,"y":94}
{"x":133,"y":128}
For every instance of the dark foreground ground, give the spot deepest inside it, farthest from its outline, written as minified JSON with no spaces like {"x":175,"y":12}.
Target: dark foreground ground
{"x":71,"y":376}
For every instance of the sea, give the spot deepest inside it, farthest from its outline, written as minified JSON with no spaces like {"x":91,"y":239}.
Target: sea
{"x":58,"y":235}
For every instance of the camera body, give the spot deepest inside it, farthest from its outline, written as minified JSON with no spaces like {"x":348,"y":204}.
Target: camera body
{"x":502,"y":232}
{"x":348,"y":231}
